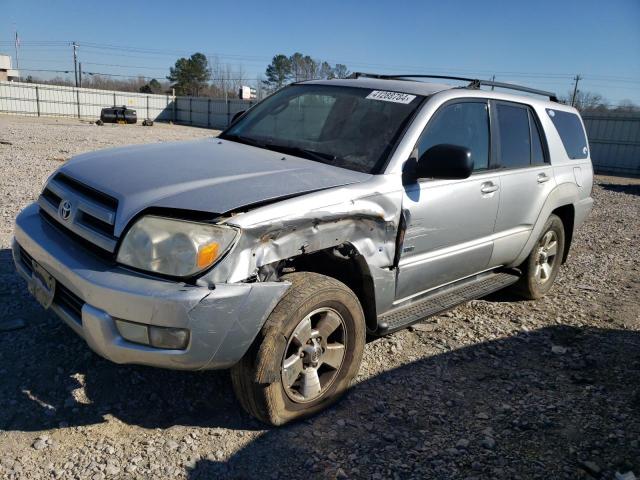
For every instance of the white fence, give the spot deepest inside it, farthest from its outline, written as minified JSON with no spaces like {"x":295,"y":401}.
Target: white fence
{"x":57,"y":101}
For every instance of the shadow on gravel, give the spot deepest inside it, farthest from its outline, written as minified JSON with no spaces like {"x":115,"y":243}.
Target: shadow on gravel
{"x":533,"y":405}
{"x":536,"y":405}
{"x":628,"y":189}
{"x":44,"y":365}
{"x":504,"y":296}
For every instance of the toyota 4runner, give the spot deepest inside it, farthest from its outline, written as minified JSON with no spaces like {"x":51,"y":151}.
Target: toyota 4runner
{"x":330,"y":212}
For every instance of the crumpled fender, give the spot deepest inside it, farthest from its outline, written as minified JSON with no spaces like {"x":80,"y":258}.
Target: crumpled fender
{"x":296,"y":227}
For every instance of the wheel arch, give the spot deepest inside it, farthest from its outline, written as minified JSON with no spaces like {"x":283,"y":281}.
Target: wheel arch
{"x":560,"y":202}
{"x":567,"y":214}
{"x":345,"y":264}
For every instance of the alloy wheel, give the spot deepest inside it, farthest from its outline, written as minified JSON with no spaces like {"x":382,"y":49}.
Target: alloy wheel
{"x":314,"y":355}
{"x":546,"y":256}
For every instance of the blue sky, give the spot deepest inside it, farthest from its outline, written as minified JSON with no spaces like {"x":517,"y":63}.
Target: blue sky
{"x":539,"y":43}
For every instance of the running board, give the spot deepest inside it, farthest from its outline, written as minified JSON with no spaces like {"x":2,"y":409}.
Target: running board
{"x":444,"y":298}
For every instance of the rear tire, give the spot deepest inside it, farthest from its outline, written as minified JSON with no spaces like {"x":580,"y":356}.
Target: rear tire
{"x":541,"y":267}
{"x":307,"y":353}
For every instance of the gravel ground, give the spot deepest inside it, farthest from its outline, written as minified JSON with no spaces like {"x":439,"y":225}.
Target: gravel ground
{"x":497,"y":388}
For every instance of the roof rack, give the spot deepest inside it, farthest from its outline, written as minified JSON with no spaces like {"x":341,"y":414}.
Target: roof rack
{"x":474,"y":83}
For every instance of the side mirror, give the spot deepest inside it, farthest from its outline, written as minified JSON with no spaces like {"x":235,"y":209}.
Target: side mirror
{"x":445,"y":161}
{"x":236,"y":116}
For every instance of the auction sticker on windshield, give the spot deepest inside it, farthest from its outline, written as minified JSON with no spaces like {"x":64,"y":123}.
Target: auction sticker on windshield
{"x":395,"y":97}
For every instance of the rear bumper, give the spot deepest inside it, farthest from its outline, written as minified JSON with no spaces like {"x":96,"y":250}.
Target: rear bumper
{"x":94,"y":293}
{"x":582,"y":209}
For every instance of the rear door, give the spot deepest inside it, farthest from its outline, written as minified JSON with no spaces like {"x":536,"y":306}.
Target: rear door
{"x":526,"y":177}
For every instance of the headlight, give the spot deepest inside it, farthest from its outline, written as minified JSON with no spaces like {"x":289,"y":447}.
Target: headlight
{"x":174,"y":247}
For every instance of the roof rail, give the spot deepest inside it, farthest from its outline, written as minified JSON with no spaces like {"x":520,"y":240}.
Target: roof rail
{"x":474,"y":83}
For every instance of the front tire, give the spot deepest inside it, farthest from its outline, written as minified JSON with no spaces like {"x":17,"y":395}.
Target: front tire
{"x":306,"y":354}
{"x":541,"y":267}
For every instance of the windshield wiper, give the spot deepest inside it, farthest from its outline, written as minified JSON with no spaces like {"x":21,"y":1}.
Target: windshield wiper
{"x":298,"y":151}
{"x":302,"y":152}
{"x":246,"y":140}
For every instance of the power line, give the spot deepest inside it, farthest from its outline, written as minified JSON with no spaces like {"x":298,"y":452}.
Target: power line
{"x":45,"y":70}
{"x":125,"y":66}
{"x":103,"y":74}
{"x":126,"y":48}
{"x":112,"y":49}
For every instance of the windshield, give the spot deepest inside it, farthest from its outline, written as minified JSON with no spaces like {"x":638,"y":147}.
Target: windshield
{"x":354,"y":128}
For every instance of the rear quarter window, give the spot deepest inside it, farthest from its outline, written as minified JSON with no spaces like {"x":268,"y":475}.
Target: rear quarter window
{"x":571,"y":133}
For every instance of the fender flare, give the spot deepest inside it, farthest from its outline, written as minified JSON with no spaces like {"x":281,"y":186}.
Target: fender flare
{"x":562,"y":195}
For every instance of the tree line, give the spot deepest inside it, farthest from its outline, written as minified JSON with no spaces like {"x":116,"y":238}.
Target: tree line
{"x":298,"y":67}
{"x":199,"y":75}
{"x":586,"y":101}
{"x":191,"y":76}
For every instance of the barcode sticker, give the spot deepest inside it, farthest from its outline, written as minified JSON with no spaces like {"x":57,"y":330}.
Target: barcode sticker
{"x":395,"y":97}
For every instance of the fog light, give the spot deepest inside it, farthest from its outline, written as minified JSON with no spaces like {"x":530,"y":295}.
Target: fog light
{"x":134,"y":332}
{"x":172,"y":338}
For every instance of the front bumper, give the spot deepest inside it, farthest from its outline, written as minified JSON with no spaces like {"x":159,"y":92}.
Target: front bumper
{"x":92,"y":293}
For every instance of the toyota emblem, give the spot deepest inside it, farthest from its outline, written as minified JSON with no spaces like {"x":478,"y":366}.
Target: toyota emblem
{"x":64,"y":210}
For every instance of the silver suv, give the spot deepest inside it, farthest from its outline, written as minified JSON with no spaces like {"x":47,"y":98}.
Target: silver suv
{"x":330,"y":212}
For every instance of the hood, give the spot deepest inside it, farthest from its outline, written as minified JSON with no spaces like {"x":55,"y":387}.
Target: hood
{"x":211,"y":175}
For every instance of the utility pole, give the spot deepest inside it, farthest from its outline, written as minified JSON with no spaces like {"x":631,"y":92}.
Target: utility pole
{"x":493,"y":79}
{"x":75,"y":61}
{"x":17,"y":45}
{"x":80,"y":74}
{"x":577,"y":78}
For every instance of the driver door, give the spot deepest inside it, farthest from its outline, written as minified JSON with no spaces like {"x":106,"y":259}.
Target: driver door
{"x":450,"y":223}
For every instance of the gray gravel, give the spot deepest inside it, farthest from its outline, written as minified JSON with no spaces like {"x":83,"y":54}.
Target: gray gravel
{"x":497,"y":388}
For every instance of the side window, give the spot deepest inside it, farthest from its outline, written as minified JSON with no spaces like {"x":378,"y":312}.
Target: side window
{"x":515,"y":146}
{"x":571,"y":133}
{"x":537,"y":153}
{"x":465,"y":124}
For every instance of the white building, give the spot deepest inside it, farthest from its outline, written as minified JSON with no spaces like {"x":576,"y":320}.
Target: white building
{"x":6,"y":72}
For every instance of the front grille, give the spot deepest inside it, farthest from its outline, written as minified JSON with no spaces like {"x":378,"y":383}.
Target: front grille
{"x":69,"y":302}
{"x":25,"y":259}
{"x":102,"y":198}
{"x":90,"y":214}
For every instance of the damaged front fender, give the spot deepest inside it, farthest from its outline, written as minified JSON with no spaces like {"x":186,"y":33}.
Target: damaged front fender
{"x":349,"y":215}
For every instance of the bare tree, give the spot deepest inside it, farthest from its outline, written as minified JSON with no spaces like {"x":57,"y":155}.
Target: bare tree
{"x":341,"y":71}
{"x":226,"y":79}
{"x":627,"y":105}
{"x":586,"y":101}
{"x":298,"y":67}
{"x":303,"y":67}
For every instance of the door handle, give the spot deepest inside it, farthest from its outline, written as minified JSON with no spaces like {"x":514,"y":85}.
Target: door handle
{"x":543,"y":177}
{"x":489,"y":187}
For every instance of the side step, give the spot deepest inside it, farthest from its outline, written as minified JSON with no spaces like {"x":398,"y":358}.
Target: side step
{"x":443,"y":299}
